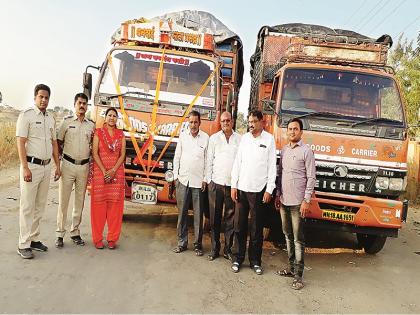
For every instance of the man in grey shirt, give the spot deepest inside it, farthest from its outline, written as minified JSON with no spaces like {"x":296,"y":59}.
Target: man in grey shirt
{"x":295,"y":186}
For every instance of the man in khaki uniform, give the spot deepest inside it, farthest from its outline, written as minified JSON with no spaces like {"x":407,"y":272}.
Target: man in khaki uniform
{"x":75,"y":135}
{"x":36,"y":141}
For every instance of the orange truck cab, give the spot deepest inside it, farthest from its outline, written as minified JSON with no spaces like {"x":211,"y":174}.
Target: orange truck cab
{"x":338,"y":84}
{"x":157,"y":71}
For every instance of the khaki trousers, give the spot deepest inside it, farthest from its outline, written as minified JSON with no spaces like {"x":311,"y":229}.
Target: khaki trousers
{"x":33,"y":199}
{"x":76,"y":175}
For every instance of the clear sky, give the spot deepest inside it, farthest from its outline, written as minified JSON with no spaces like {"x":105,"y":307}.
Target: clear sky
{"x":53,"y":41}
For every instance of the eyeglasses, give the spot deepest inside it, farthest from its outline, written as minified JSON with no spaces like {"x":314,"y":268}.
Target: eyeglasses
{"x":226,"y":120}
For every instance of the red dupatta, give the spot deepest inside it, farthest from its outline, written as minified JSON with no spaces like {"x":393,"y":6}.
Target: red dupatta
{"x":111,"y":143}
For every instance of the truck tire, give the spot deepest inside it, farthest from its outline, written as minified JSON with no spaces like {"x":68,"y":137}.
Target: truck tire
{"x":372,"y":244}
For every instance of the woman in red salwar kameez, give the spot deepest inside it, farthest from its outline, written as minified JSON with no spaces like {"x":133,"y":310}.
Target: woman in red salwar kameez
{"x":107,"y":198}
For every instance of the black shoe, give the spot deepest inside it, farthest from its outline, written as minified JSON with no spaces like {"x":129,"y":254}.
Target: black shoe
{"x":212,"y":256}
{"x":78,"y":240}
{"x":39,"y":246}
{"x":59,"y":242}
{"x":25,"y":253}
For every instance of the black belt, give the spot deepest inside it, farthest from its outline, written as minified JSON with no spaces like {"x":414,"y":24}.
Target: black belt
{"x":35,"y":160}
{"x":77,"y":162}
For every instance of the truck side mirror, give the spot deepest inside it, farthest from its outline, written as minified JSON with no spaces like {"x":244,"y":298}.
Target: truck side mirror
{"x":87,"y":84}
{"x":268,"y":107}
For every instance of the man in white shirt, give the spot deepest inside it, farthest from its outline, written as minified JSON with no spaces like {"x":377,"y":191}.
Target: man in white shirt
{"x":189,"y":174}
{"x":253,"y":182}
{"x":221,"y":153}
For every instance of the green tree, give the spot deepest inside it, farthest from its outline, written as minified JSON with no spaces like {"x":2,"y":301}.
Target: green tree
{"x":405,"y":59}
{"x":241,"y":123}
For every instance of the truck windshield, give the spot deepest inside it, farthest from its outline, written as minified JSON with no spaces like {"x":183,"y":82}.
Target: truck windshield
{"x":182,"y":77}
{"x":349,"y":94}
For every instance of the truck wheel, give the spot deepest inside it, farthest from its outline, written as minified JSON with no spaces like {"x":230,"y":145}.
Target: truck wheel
{"x":372,"y":244}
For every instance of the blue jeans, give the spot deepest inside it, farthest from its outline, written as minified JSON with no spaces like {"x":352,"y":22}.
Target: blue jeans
{"x":292,"y":224}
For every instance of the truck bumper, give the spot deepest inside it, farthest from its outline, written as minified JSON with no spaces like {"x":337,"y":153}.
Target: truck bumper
{"x":344,"y":227}
{"x":357,"y":211}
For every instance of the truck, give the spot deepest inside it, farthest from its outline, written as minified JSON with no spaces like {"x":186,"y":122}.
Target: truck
{"x":156,"y":72}
{"x":338,"y":83}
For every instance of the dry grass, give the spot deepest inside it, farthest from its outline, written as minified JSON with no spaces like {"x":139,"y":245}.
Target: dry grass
{"x":8,"y":149}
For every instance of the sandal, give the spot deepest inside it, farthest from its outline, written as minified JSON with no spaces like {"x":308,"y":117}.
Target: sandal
{"x":297,"y":284}
{"x":99,"y":245}
{"x":179,"y":249}
{"x":235,"y":267}
{"x":198,"y":252}
{"x":285,"y":273}
{"x":111,"y":245}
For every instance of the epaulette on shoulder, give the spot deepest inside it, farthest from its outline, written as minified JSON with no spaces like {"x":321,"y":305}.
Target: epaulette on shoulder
{"x":68,"y":117}
{"x":27,"y":109}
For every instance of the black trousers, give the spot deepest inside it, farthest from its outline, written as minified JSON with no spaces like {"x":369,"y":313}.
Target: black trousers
{"x":219,"y":196}
{"x":249,"y":203}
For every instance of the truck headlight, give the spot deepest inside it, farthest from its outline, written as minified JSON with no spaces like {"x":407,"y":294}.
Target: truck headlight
{"x":382,"y":182}
{"x":396,"y":184}
{"x":169,"y":176}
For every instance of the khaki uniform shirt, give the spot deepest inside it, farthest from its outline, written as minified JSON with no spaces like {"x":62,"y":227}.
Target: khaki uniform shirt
{"x":76,"y":136}
{"x":40,"y":131}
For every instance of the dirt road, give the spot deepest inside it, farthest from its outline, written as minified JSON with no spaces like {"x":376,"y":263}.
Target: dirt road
{"x":144,"y":276}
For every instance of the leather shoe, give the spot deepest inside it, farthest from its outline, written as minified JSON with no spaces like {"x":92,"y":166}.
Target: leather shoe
{"x":38,"y":246}
{"x":78,"y":240}
{"x":59,"y":242}
{"x":25,"y":253}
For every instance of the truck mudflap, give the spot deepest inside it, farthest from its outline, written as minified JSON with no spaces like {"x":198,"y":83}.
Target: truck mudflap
{"x":405,"y":210}
{"x":357,"y":211}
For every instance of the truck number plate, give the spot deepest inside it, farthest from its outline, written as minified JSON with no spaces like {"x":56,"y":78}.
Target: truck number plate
{"x":338,"y":216}
{"x":144,"y":193}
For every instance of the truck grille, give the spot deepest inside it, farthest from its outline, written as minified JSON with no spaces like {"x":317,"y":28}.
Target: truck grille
{"x":165,"y":163}
{"x":341,"y":178}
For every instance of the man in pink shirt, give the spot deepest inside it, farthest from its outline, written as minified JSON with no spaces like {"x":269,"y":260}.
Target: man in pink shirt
{"x":295,"y":185}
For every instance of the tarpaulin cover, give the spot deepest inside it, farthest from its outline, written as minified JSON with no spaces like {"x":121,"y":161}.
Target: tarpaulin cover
{"x":266,"y":73}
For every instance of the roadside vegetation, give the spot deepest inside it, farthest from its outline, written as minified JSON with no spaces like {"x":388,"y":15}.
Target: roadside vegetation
{"x":8,"y":149}
{"x":405,"y":59}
